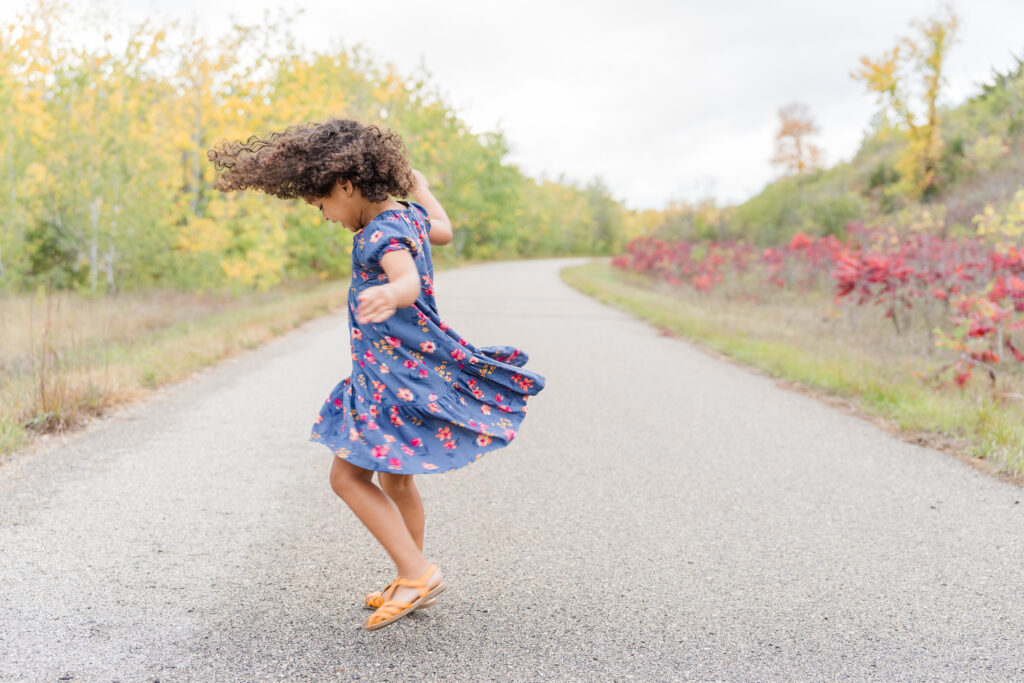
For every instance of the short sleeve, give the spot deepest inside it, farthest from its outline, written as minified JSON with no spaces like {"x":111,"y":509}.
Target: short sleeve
{"x":383,"y":236}
{"x":423,"y":215}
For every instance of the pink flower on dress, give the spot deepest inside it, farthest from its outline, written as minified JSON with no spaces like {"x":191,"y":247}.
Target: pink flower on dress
{"x":373,"y":411}
{"x":394,"y":341}
{"x":428,"y":346}
{"x":372,"y":425}
{"x":376,"y":236}
{"x":510,"y":434}
{"x":394,"y":463}
{"x":405,"y":394}
{"x":432,"y":397}
{"x":411,"y":363}
{"x":384,"y":369}
{"x":337,"y":403}
{"x":482,"y":440}
{"x":389,"y":438}
{"x":429,"y":466}
{"x":485,"y":409}
{"x":444,"y":433}
{"x":443,"y":325}
{"x":357,"y":333}
{"x":523,"y":383}
{"x":462,"y":341}
{"x":423,"y":372}
{"x":450,"y":445}
{"x":407,"y":450}
{"x":353,"y":434}
{"x":497,"y":397}
{"x":433,"y":407}
{"x":504,"y":408}
{"x":380,"y":451}
{"x":416,"y":441}
{"x":369,"y":356}
{"x":458,"y":354}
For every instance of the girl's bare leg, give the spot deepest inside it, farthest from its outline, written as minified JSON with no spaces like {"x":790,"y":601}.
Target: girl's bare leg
{"x":383,"y":519}
{"x":402,"y":490}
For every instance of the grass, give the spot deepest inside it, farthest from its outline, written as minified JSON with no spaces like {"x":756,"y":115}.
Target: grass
{"x":67,"y":358}
{"x":833,"y":352}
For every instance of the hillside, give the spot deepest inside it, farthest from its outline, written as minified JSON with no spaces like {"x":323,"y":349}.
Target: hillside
{"x":981,"y":166}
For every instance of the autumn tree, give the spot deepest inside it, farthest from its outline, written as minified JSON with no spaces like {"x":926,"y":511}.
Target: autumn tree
{"x":793,"y":152}
{"x":106,"y":186}
{"x":890,"y":77}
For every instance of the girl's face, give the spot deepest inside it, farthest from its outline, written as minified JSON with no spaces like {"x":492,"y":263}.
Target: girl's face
{"x":343,"y":205}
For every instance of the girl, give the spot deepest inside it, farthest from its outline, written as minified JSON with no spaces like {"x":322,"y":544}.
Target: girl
{"x":421,"y":399}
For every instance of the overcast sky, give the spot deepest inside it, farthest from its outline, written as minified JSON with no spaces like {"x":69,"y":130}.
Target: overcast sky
{"x":663,"y":100}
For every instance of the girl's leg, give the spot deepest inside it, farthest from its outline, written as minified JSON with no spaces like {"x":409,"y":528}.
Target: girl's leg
{"x":402,"y":490}
{"x":382,"y":518}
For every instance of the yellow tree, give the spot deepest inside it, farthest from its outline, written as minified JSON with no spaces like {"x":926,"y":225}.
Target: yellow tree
{"x":27,"y":58}
{"x":888,"y":77}
{"x":100,"y":159}
{"x":793,"y":152}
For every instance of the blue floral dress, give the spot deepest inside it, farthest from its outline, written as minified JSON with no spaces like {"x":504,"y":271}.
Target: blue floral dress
{"x":421,"y":398}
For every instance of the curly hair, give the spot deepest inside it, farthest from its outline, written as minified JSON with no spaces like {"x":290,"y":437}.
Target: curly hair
{"x":306,"y":160}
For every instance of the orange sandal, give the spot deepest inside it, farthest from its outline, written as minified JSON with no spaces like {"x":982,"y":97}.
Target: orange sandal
{"x":376,"y":599}
{"x":392,"y":610}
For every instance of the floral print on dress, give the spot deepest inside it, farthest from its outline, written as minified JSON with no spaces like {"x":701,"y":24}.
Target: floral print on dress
{"x":421,"y":398}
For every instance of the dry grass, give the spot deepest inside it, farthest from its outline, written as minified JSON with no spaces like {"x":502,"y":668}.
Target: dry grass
{"x":65,"y":358}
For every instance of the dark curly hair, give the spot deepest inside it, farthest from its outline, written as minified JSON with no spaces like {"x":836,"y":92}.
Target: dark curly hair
{"x":306,"y":160}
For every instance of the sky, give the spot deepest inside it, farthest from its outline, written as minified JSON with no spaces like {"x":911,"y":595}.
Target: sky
{"x":664,"y":101}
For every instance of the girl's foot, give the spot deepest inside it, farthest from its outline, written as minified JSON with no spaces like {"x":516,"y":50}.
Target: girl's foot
{"x":376,"y":599}
{"x":408,"y":594}
{"x":402,"y":598}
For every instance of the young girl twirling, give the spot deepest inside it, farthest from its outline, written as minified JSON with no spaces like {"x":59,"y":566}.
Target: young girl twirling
{"x":421,"y":399}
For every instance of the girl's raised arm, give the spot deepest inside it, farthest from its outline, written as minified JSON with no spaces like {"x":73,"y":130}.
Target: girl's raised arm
{"x":440,"y":226}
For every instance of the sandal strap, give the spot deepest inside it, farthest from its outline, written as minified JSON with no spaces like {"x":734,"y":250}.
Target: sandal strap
{"x":389,"y":609}
{"x":420,"y":582}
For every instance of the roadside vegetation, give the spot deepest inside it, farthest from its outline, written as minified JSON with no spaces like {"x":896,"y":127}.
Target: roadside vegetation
{"x":895,"y":279}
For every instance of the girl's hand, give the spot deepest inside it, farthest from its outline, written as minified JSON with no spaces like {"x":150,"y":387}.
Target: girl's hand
{"x":421,"y":181}
{"x":376,"y":304}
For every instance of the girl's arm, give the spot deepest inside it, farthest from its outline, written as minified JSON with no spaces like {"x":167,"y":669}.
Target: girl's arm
{"x":440,"y":225}
{"x":377,"y":304}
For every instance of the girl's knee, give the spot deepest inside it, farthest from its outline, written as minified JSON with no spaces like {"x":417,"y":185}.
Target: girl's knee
{"x":397,"y":483}
{"x":344,"y":476}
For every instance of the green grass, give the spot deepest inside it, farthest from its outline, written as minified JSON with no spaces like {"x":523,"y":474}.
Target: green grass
{"x":808,"y":341}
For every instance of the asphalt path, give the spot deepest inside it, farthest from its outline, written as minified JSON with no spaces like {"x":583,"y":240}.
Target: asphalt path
{"x":662,"y":515}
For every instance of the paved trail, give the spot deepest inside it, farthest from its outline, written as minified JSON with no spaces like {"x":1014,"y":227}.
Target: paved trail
{"x":663,"y":515}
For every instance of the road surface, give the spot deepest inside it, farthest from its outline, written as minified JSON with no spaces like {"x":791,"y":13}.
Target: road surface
{"x":662,"y":515}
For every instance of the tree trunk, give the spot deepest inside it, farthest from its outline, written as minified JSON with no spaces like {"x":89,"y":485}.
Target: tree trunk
{"x":109,"y":260}
{"x":198,"y":205}
{"x":13,"y":184}
{"x":113,"y":230}
{"x":94,"y":215}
